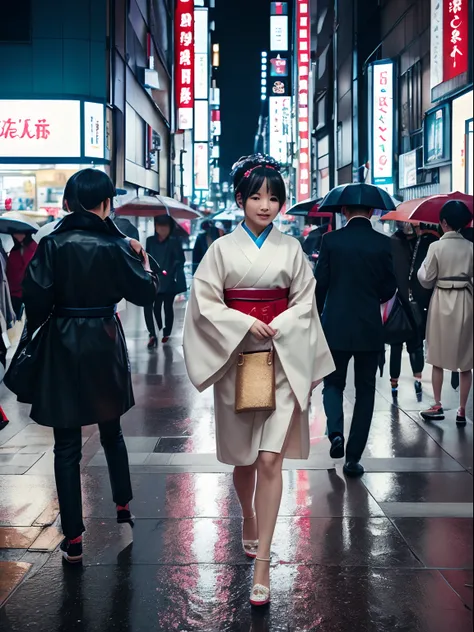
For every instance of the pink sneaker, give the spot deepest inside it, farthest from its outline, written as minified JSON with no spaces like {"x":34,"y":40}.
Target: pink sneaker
{"x":435,"y":413}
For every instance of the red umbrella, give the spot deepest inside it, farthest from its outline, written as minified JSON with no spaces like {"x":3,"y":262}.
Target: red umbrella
{"x":427,"y":209}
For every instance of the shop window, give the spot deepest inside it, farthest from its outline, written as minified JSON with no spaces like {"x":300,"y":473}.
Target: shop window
{"x":323,"y":167}
{"x":15,"y":21}
{"x":411,"y":100}
{"x":469,"y":157}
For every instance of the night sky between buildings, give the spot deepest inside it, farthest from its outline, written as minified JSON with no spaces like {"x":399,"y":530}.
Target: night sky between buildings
{"x":242,"y":30}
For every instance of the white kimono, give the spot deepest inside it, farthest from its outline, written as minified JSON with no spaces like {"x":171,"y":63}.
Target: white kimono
{"x":214,"y":335}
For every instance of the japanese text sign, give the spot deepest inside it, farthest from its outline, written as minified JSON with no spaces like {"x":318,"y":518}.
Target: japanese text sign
{"x":184,"y":62}
{"x":455,"y":38}
{"x":449,"y":39}
{"x":303,"y":61}
{"x":40,"y":129}
{"x":382,"y":123}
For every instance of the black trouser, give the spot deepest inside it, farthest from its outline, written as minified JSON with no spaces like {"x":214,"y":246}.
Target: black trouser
{"x":67,"y":459}
{"x":417,"y":358}
{"x":17,"y":304}
{"x":166,"y":300}
{"x":365,"y":369}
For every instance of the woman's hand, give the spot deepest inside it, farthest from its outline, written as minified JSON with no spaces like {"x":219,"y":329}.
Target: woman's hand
{"x":141,"y":252}
{"x":261,"y":331}
{"x":136,"y":246}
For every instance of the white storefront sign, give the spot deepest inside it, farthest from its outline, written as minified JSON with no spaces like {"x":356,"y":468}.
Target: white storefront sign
{"x":40,"y":129}
{"x":94,"y":130}
{"x":280,"y":128}
{"x":407,"y":169}
{"x":279,"y":32}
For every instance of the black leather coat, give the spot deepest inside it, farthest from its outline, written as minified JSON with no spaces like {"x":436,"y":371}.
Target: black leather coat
{"x":85,"y":373}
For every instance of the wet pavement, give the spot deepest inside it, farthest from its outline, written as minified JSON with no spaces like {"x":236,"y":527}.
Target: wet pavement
{"x":392,"y":551}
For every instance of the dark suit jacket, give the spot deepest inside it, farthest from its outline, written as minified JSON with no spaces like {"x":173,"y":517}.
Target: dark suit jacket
{"x":354,"y":276}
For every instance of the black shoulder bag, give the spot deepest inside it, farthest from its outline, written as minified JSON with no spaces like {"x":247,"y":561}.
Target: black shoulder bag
{"x":415,"y":310}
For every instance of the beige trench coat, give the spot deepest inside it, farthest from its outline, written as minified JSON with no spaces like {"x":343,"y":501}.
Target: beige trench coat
{"x":449,"y":334}
{"x":214,"y":335}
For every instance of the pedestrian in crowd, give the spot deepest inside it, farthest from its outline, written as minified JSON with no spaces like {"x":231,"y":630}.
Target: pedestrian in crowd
{"x":79,"y":274}
{"x":312,"y":243}
{"x":7,"y":319}
{"x":24,"y":247}
{"x":409,"y":248}
{"x":167,"y":251}
{"x":448,"y":268}
{"x":467,"y":233}
{"x":208,"y":236}
{"x":254,"y":293}
{"x":3,"y":361}
{"x":354,"y":276}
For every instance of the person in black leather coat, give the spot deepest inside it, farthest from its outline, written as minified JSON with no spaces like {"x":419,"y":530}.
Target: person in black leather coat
{"x":71,"y":288}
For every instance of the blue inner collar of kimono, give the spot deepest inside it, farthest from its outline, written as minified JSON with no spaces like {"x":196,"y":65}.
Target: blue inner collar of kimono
{"x":260,"y":240}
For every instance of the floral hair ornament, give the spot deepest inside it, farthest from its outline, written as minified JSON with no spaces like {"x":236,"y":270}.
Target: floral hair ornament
{"x":249,"y":171}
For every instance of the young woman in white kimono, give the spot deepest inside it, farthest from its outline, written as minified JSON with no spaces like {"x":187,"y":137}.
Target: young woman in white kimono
{"x":448,"y":268}
{"x":272,"y":288}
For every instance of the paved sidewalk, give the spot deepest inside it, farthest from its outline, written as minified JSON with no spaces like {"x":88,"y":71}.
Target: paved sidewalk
{"x":392,"y":551}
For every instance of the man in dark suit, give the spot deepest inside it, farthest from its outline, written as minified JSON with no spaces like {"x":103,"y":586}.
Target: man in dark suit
{"x":354,"y":276}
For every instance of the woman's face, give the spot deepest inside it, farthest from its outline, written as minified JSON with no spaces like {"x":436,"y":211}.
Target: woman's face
{"x":261,"y":209}
{"x":162,"y":230}
{"x":19,"y":237}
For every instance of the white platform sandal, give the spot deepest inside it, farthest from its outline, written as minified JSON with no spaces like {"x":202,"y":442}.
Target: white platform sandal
{"x":260,"y":595}
{"x":250,"y":546}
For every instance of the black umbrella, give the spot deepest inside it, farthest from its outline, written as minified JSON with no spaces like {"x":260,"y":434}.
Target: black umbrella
{"x":304,"y":208}
{"x":366,"y":195}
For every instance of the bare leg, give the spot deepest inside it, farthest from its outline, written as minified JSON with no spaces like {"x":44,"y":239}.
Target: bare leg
{"x":437,"y":381}
{"x":267,"y":503}
{"x":465,"y":380}
{"x":244,"y":483}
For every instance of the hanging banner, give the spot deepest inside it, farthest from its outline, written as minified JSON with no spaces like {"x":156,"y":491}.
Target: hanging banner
{"x":184,"y":63}
{"x":449,"y":45}
{"x":436,"y":47}
{"x":455,"y":38}
{"x":302,"y":110}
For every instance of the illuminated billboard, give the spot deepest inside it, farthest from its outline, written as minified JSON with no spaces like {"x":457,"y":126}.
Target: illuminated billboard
{"x":382,"y":124}
{"x":201,"y":166}
{"x":47,"y":128}
{"x":303,"y":62}
{"x":279,"y":122}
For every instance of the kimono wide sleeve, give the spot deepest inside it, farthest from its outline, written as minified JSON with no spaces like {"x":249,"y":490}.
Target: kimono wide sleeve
{"x":212,"y":331}
{"x":300,"y":342}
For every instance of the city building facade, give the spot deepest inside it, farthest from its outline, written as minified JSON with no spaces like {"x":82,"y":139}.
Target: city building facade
{"x":392,"y":95}
{"x":90,"y":86}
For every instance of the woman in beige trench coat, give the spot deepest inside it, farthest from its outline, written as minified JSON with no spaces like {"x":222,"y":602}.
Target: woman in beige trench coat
{"x":448,"y":268}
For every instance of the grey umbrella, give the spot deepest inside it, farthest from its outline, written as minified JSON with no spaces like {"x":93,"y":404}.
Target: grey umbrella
{"x":357,"y":195}
{"x":13,"y":222}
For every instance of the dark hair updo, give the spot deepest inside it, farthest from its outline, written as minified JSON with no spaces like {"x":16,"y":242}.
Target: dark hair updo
{"x":456,"y":214}
{"x":87,"y":189}
{"x":250,"y":172}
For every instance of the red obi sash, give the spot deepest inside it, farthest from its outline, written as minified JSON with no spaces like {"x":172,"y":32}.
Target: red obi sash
{"x":264,"y":304}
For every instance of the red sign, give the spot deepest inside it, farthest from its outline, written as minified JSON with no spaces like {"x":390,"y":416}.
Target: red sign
{"x":184,"y":62}
{"x":455,"y":38}
{"x":303,"y":53}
